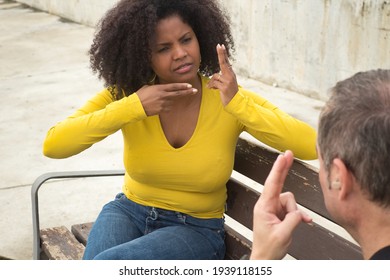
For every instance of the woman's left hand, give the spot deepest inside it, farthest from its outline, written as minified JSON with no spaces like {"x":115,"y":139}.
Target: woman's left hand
{"x":225,"y":80}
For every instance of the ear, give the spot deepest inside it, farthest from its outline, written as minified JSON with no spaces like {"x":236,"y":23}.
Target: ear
{"x":341,"y":177}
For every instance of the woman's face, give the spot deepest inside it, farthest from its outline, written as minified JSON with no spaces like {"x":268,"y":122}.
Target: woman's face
{"x":175,"y":51}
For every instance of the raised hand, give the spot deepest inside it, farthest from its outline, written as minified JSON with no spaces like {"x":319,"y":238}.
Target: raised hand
{"x":225,"y":80}
{"x":276,"y":214}
{"x":159,"y":98}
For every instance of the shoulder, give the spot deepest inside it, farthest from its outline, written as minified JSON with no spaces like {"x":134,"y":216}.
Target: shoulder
{"x":382,"y":254}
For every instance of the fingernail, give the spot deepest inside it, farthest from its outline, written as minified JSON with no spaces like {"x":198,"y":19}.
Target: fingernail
{"x":223,"y":46}
{"x":194,"y":90}
{"x":189,"y":86}
{"x":218,"y":46}
{"x":303,"y":213}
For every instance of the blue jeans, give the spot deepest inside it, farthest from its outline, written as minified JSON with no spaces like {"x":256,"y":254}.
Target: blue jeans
{"x":125,"y":230}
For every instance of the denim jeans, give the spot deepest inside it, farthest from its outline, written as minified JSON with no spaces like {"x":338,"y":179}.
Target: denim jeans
{"x":125,"y":230}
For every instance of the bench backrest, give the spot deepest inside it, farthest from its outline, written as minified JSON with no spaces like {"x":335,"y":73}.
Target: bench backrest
{"x":310,"y":241}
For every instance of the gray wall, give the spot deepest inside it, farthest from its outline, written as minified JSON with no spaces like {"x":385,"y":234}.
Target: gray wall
{"x":302,"y":45}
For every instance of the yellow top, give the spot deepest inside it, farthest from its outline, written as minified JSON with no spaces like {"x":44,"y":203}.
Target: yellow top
{"x":190,"y":179}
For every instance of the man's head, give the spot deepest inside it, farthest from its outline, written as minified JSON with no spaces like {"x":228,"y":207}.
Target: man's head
{"x":354,"y":129}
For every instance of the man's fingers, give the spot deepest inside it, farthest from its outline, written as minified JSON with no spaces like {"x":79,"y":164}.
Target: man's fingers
{"x":288,"y":202}
{"x":291,"y":221}
{"x":274,"y":183}
{"x":290,"y":205}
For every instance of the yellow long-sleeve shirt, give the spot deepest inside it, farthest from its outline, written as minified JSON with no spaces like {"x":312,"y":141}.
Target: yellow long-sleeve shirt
{"x":190,"y":179}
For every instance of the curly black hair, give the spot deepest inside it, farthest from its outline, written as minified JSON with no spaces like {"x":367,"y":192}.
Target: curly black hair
{"x":121,"y":51}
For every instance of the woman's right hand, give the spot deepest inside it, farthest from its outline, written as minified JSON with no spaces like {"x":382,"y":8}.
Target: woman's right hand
{"x":159,"y":98}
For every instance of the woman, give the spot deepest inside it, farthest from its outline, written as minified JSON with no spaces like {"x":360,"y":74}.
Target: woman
{"x":179,"y":128}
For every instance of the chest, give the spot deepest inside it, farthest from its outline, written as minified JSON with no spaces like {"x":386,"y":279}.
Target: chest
{"x":210,"y":143}
{"x":180,"y":122}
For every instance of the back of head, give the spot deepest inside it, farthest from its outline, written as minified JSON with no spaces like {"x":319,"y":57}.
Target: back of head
{"x":355,"y":127}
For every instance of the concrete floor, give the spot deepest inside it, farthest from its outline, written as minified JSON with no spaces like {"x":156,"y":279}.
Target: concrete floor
{"x":44,"y":77}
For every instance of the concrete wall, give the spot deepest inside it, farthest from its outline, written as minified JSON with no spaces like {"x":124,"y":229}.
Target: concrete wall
{"x":302,"y":45}
{"x":87,"y":12}
{"x":308,"y":45}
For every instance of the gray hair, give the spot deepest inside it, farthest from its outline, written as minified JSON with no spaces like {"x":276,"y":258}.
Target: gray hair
{"x":354,"y":126}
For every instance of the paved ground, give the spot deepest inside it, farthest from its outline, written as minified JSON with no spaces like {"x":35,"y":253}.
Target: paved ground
{"x":44,"y":77}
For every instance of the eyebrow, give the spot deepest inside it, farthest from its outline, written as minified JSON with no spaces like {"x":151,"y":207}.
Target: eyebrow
{"x":168,"y":43}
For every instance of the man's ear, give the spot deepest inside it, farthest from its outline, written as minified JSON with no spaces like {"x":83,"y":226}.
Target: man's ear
{"x":342,"y":179}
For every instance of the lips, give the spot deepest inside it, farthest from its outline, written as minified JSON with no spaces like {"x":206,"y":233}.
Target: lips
{"x":183,"y":68}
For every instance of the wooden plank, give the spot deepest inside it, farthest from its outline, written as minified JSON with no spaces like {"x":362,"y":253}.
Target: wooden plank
{"x":237,"y":246}
{"x":81,"y":232}
{"x":240,"y":202}
{"x":255,"y":162}
{"x":314,"y":242}
{"x":58,"y":243}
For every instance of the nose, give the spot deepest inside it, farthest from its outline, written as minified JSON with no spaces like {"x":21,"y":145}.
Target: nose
{"x":179,"y":52}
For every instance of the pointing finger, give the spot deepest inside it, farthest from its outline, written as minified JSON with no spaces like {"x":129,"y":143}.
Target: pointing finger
{"x":274,"y":183}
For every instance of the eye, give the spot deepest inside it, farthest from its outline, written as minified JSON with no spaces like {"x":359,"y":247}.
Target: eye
{"x":187,"y":40}
{"x":162,"y":49}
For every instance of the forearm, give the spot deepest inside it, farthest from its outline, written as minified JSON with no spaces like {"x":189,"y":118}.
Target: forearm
{"x":286,"y":133}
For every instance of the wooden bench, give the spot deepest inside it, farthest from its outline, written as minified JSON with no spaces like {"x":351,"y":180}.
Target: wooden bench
{"x":321,"y":240}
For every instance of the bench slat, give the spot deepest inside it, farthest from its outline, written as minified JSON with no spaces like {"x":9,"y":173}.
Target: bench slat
{"x":81,"y":232}
{"x":237,"y":246}
{"x":58,"y":243}
{"x":240,"y":202}
{"x":255,"y":162}
{"x":314,"y":242}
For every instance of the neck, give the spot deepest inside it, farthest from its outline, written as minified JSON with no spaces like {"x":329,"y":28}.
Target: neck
{"x":196,"y":82}
{"x":373,"y":231}
{"x":189,"y":100}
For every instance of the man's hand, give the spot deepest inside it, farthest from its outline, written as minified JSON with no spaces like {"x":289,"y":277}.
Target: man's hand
{"x":275,"y":215}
